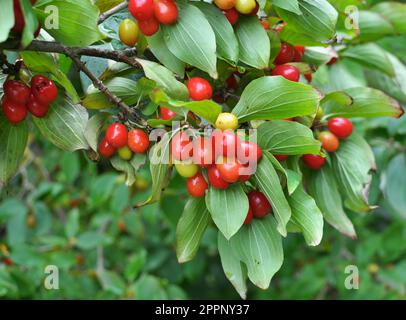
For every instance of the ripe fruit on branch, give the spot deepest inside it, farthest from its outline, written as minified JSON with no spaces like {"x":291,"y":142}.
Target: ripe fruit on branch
{"x":249,"y":217}
{"x":16,"y":91}
{"x":341,"y":127}
{"x":225,"y":4}
{"x":215,"y":178}
{"x":125,"y":153}
{"x":226,"y":121}
{"x":166,"y":11}
{"x":299,"y":52}
{"x":313,"y":161}
{"x":288,"y":72}
{"x":245,"y":6}
{"x":199,"y":89}
{"x":141,"y":9}
{"x":186,"y":169}
{"x":229,"y":169}
{"x":280,"y":157}
{"x":181,"y":147}
{"x":138,"y":141}
{"x":259,"y":204}
{"x":35,"y":108}
{"x":116,"y":135}
{"x":231,"y":15}
{"x":149,"y":27}
{"x":106,"y":150}
{"x":308,"y":77}
{"x":329,"y":141}
{"x":203,"y":154}
{"x":249,"y":153}
{"x":167,"y":114}
{"x":43,"y":89}
{"x":197,"y":185}
{"x":15,"y":113}
{"x":225,"y":143}
{"x":128,"y":32}
{"x":286,"y":54}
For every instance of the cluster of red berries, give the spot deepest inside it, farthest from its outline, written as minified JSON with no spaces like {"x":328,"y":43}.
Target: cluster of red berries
{"x":288,"y":54}
{"x":125,"y":142}
{"x":233,"y":8}
{"x":19,"y":22}
{"x":150,"y":13}
{"x":338,"y":128}
{"x":19,"y":98}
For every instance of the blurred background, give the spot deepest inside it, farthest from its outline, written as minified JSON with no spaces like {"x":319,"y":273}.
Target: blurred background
{"x":64,"y":210}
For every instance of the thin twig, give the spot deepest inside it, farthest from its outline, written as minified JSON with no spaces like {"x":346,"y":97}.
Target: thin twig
{"x":111,"y":12}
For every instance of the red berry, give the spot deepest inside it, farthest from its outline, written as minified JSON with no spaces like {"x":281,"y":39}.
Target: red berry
{"x":37,"y":109}
{"x":149,"y":27}
{"x":280,"y":157}
{"x":288,"y":72}
{"x":225,"y":143}
{"x":199,"y":88}
{"x":215,"y":178}
{"x":341,"y":127}
{"x":106,"y":149}
{"x":244,"y":177}
{"x":181,"y":147}
{"x":8,"y":262}
{"x":166,"y":11}
{"x":203,"y":152}
{"x":259,"y":204}
{"x":299,"y":52}
{"x":138,"y":141}
{"x":117,"y":135}
{"x":19,"y":22}
{"x":141,"y":9}
{"x":231,"y":82}
{"x":197,"y":185}
{"x":286,"y":54}
{"x":15,"y":113}
{"x":167,"y":114}
{"x":250,"y":152}
{"x":43,"y":89}
{"x":308,"y":77}
{"x":231,"y":15}
{"x":329,"y":141}
{"x":313,"y":161}
{"x":332,"y":61}
{"x":16,"y":91}
{"x":249,"y":217}
{"x":229,"y":169}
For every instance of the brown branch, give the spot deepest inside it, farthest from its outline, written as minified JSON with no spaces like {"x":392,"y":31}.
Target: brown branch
{"x":104,"y":16}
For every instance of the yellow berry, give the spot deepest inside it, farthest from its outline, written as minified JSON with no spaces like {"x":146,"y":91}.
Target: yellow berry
{"x":226,"y":121}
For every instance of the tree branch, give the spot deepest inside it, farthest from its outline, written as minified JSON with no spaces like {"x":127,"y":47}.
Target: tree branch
{"x":104,"y":16}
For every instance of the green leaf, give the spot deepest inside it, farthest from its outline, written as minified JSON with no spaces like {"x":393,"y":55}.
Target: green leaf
{"x":307,"y":216}
{"x":31,"y":22}
{"x":232,"y":266}
{"x":158,"y":47}
{"x":226,"y":42}
{"x":6,"y":19}
{"x":293,"y":178}
{"x":165,"y":79}
{"x":72,"y":223}
{"x":367,"y":103}
{"x":207,"y":109}
{"x":395,"y":187}
{"x":318,"y":20}
{"x":64,"y":125}
{"x":268,"y":183}
{"x":91,"y":239}
{"x":93,"y":129}
{"x":192,"y":40}
{"x":253,"y":41}
{"x":394,"y":12}
{"x":373,"y":26}
{"x":318,"y":55}
{"x":271,"y":98}
{"x":287,"y":137}
{"x":288,"y":5}
{"x":352,"y":163}
{"x":13,"y":140}
{"x":190,"y":229}
{"x":228,"y":208}
{"x":16,"y":213}
{"x":74,"y":23}
{"x":259,"y":247}
{"x":125,"y":167}
{"x":371,"y":56}
{"x":323,"y":188}
{"x":123,"y":88}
